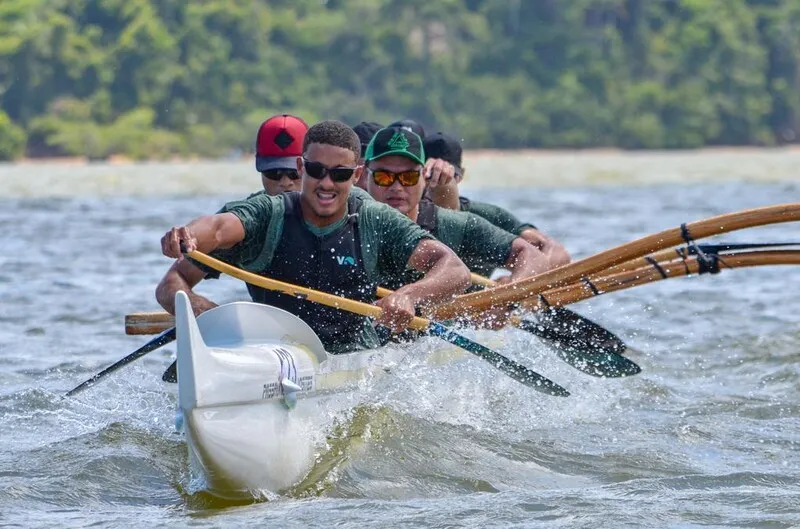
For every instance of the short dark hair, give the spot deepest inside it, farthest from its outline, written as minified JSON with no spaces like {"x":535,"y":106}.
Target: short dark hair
{"x":409,"y":124}
{"x":366,"y":130}
{"x":335,"y":133}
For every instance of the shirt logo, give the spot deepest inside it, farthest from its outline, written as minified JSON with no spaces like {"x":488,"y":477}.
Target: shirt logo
{"x":345,"y":260}
{"x":398,"y":141}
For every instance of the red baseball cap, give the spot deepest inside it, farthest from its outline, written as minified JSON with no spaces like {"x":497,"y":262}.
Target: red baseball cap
{"x":279,"y":142}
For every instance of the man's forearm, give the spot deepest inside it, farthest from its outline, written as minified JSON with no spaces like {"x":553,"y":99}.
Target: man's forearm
{"x":445,"y":277}
{"x":174,"y":281}
{"x":445,"y":196}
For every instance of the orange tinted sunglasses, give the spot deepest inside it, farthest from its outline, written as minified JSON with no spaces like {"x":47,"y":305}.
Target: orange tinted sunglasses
{"x":386,"y":178}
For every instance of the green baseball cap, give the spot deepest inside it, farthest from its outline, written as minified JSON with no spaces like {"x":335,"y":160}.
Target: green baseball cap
{"x":397,"y":141}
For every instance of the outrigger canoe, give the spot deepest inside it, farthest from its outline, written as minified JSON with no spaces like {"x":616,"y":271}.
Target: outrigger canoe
{"x":253,"y":389}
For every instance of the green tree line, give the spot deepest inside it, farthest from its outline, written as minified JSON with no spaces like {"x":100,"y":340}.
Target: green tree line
{"x":160,"y":78}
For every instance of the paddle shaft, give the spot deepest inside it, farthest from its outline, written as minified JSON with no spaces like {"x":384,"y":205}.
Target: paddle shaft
{"x":162,"y":339}
{"x":323,"y":298}
{"x":528,"y":287}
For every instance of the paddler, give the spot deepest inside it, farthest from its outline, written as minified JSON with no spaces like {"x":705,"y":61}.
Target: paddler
{"x":365,"y":131}
{"x":444,"y":147}
{"x":440,"y":174}
{"x":323,"y":238}
{"x":279,"y":143}
{"x":394,"y":167}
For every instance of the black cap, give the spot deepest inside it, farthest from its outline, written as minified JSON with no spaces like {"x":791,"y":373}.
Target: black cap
{"x":365,"y":131}
{"x":410,"y":124}
{"x":445,"y":147}
{"x":396,"y":141}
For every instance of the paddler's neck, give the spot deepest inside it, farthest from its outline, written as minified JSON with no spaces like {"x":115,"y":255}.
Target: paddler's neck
{"x":414,"y":213}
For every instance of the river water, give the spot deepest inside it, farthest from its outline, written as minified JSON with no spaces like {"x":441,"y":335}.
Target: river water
{"x":708,"y":435}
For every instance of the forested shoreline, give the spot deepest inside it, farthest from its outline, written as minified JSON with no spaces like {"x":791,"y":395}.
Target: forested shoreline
{"x":164,"y":78}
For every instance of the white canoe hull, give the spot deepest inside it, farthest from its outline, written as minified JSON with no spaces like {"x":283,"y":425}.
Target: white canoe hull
{"x":252,"y":388}
{"x":245,"y":450}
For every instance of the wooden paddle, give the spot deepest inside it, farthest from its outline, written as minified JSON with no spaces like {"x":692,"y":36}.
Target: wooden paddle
{"x":511,"y":368}
{"x":526,"y":288}
{"x":578,"y":341}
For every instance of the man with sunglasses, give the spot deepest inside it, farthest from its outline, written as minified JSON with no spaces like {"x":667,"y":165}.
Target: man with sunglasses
{"x":439,"y":174}
{"x":447,"y":148}
{"x":394,"y":164}
{"x":278,"y":144}
{"x":323,"y":238}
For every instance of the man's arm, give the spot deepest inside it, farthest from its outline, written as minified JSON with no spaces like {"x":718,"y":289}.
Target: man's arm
{"x":445,"y":196}
{"x":555,"y":254}
{"x":445,"y":276}
{"x":182,"y":276}
{"x":206,"y":234}
{"x":525,"y":260}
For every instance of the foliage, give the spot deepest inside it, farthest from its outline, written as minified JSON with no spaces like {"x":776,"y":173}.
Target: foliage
{"x":158,"y":78}
{"x":12,"y":139}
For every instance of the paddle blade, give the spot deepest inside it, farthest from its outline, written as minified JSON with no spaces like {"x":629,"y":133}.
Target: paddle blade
{"x":567,"y":324}
{"x":582,"y":355}
{"x":171,"y":373}
{"x":511,"y":368}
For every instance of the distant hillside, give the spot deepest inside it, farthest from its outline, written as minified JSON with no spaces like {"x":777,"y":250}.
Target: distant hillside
{"x":157,"y":78}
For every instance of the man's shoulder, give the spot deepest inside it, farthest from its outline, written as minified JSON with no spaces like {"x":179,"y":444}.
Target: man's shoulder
{"x":360,"y":194}
{"x":266,"y":197}
{"x":256,"y":207}
{"x":499,"y":216}
{"x":259,"y":197}
{"x":257,"y":193}
{"x":476,"y":206}
{"x":475,"y":225}
{"x":380,"y":210}
{"x":451,"y":217}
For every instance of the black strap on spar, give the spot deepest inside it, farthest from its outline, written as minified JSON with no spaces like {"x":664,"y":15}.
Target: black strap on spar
{"x":711,"y":252}
{"x":708,"y":262}
{"x":658,"y":267}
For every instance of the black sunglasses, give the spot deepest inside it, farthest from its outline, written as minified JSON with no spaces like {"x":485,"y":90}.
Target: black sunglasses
{"x":318,"y":171}
{"x":277,"y":174}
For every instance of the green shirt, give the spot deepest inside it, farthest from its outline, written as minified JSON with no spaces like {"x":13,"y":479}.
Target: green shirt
{"x":388,"y":238}
{"x":502,"y":218}
{"x":481,"y":245}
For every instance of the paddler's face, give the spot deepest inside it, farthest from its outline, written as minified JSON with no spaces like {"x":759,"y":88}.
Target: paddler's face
{"x":403,"y":198}
{"x":287,"y":181}
{"x":326,"y":197}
